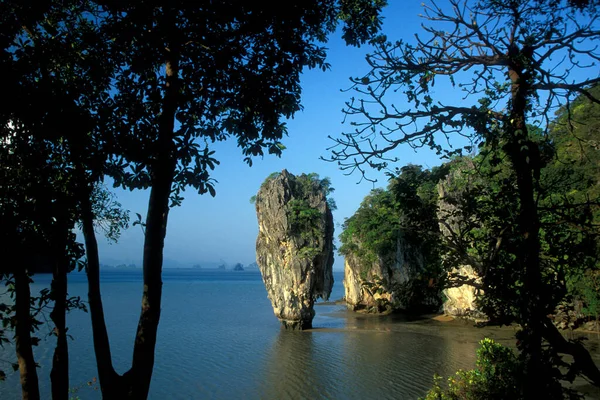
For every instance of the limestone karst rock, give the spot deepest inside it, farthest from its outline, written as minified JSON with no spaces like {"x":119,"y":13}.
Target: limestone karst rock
{"x":460,"y":299}
{"x":378,"y":286}
{"x":294,"y":248}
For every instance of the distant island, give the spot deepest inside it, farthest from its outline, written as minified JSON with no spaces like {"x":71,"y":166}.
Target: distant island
{"x":238,"y":267}
{"x":119,"y":266}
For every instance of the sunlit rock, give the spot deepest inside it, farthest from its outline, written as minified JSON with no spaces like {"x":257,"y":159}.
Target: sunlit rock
{"x":294,"y":248}
{"x":380,"y":286}
{"x":461,"y":298}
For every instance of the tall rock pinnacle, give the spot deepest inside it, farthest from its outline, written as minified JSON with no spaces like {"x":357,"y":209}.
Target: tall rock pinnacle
{"x":294,"y":248}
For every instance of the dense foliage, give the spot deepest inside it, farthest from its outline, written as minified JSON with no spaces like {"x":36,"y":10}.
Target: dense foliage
{"x":474,"y":201}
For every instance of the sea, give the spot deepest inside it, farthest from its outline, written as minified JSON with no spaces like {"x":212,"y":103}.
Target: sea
{"x":219,"y":339}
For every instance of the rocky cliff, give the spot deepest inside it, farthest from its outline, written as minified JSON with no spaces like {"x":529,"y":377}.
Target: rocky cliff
{"x":460,"y":298}
{"x":294,"y":248}
{"x":382,"y":286}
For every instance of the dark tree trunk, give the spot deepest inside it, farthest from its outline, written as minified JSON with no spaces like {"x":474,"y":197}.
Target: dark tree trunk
{"x":27,"y":367}
{"x":156,"y":228}
{"x":59,"y":375}
{"x":582,"y":357}
{"x":109,"y":380}
{"x":135,"y":383}
{"x":524,"y":156}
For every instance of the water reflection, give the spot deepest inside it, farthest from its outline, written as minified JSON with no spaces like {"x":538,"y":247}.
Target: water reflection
{"x":297,"y":368}
{"x":391,"y":363}
{"x":220,"y":340}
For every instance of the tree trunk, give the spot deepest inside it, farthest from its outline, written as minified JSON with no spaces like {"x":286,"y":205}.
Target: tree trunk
{"x":135,"y":383}
{"x":27,"y":368}
{"x":59,"y":375}
{"x":584,"y":361}
{"x":156,"y":228}
{"x":109,"y":380}
{"x":524,"y":157}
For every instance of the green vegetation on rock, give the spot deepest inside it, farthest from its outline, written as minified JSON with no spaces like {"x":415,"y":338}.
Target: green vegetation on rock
{"x":399,"y":219}
{"x":294,"y":248}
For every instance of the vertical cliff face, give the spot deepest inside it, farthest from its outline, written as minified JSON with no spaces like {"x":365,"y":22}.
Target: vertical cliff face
{"x":381,"y":286}
{"x":294,"y":248}
{"x":460,"y":299}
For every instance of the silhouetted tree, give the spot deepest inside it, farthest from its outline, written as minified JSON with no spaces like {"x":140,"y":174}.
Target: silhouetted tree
{"x":49,"y":158}
{"x":190,"y":75}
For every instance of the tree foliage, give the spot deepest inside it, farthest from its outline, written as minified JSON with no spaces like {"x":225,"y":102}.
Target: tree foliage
{"x":498,"y":375}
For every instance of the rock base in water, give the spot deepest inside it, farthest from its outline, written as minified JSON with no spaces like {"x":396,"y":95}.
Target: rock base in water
{"x":296,"y":325}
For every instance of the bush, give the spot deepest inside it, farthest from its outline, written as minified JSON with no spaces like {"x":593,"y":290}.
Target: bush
{"x":498,"y":376}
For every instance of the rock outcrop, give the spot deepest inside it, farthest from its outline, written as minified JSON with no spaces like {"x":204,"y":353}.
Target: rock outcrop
{"x":380,"y":287}
{"x":294,"y":248}
{"x":460,"y":299}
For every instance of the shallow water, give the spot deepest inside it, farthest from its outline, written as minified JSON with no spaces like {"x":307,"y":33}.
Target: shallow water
{"x":218,"y":339}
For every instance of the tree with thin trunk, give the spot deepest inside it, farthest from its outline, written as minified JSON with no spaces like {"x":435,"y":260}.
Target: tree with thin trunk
{"x":48,"y":51}
{"x":513,"y":62}
{"x":190,"y":75}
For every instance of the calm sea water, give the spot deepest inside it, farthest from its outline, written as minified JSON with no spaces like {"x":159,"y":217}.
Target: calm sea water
{"x":218,"y":339}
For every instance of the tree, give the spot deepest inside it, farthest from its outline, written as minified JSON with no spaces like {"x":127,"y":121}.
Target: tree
{"x":48,"y":56}
{"x":189,"y":75}
{"x":503,"y":54}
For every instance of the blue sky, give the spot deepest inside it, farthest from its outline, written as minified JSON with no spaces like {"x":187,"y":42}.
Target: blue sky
{"x":206,"y":230}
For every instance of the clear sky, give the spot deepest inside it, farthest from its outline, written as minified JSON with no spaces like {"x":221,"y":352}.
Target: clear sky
{"x":206,"y":230}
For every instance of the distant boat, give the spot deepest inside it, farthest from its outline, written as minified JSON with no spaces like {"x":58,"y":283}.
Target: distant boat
{"x":222,"y":266}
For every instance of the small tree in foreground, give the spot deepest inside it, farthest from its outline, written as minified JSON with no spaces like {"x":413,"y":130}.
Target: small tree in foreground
{"x":516,"y":61}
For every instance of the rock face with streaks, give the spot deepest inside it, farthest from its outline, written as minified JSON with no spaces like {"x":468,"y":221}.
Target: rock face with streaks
{"x":294,"y":248}
{"x":379,"y":287}
{"x":460,"y":299}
